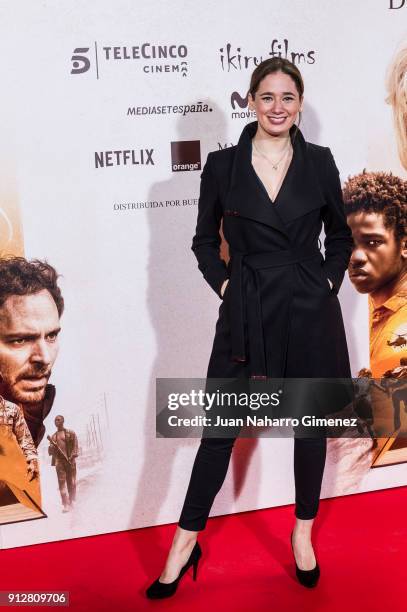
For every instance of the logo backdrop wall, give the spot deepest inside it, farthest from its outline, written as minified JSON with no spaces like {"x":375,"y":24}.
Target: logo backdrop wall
{"x":107,"y":117}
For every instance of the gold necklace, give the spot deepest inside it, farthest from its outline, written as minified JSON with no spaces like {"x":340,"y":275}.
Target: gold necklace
{"x":274,"y":165}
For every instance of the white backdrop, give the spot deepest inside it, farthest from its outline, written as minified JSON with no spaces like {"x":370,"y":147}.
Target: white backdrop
{"x":136,"y":305}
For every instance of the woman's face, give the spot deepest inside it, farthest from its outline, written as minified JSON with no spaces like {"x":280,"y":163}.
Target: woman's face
{"x":277,"y":103}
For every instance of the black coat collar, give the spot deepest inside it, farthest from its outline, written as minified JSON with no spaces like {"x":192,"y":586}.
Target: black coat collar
{"x":298,"y":195}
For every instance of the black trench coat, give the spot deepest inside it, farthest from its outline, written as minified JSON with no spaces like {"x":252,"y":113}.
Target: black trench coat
{"x":278,"y":317}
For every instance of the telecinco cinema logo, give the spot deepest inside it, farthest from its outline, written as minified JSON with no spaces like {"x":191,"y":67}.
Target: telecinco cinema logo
{"x":152,"y":58}
{"x":186,"y":155}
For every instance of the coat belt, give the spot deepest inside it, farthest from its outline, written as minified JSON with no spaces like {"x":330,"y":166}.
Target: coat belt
{"x":251,"y":303}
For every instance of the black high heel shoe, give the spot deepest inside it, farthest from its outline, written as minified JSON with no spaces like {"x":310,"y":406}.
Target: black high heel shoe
{"x":159,"y":590}
{"x":308,"y":578}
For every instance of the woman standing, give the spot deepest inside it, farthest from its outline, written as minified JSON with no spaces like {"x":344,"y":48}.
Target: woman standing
{"x":280,"y":315}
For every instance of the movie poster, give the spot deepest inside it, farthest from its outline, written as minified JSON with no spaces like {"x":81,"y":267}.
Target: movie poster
{"x":376,"y":206}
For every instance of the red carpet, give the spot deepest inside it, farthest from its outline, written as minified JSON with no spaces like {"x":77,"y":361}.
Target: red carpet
{"x":247,"y":565}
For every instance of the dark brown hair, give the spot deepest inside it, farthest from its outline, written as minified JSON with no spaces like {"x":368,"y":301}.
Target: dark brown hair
{"x":379,"y":192}
{"x":276,"y":64}
{"x":21,"y":277}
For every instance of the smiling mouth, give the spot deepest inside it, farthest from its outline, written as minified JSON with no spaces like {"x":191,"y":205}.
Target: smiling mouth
{"x":277,"y":119}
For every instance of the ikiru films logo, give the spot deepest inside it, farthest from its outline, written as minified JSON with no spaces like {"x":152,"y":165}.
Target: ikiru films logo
{"x":234,"y":58}
{"x":152,"y":58}
{"x":186,"y":155}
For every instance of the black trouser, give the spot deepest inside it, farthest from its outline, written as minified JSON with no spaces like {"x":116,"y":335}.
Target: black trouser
{"x":211,"y":465}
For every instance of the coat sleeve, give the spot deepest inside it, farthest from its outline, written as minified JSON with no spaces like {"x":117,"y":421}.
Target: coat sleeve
{"x":338,"y":236}
{"x":24,"y":439}
{"x":207,"y":240}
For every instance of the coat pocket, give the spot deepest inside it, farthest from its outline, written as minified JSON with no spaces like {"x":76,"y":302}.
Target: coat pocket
{"x":226,"y":290}
{"x":325,"y":280}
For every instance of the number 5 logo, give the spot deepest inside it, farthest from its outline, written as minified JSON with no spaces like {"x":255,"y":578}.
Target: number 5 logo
{"x":80,"y":62}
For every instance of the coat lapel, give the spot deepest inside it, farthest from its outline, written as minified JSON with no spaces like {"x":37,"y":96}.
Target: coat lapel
{"x":246,"y":195}
{"x":248,"y":198}
{"x":300,"y":192}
